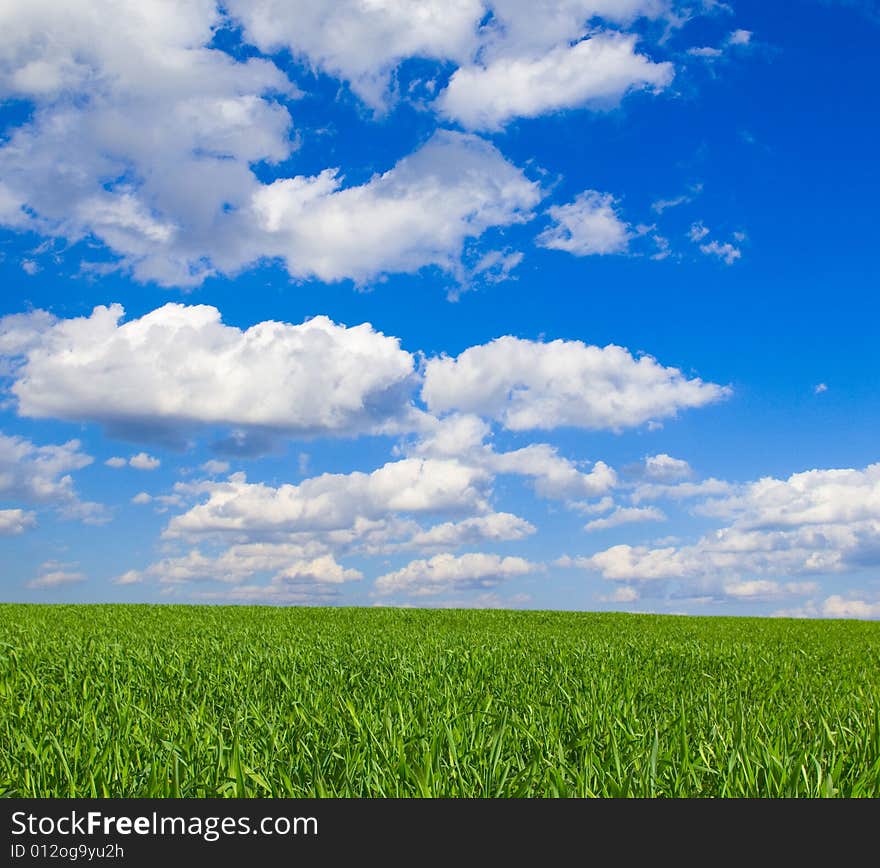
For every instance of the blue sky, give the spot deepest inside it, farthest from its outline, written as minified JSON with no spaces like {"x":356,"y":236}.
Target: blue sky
{"x":563,"y":305}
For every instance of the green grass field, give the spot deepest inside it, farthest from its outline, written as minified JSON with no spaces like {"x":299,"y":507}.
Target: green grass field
{"x":210,"y":701}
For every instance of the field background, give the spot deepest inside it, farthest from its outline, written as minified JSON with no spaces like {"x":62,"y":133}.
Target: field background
{"x":131,"y":701}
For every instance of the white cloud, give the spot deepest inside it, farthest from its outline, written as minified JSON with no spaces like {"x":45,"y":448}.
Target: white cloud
{"x":274,"y":593}
{"x":141,"y":134}
{"x":41,"y":474}
{"x":335,"y":501}
{"x":215,"y":468}
{"x":322,"y":569}
{"x":816,"y":522}
{"x":234,"y":564}
{"x":130,"y":577}
{"x":595,"y":72}
{"x":662,"y":205}
{"x":697,"y":232}
{"x":445,"y":572}
{"x":142,"y":461}
{"x":534,"y":385}
{"x":51,"y":578}
{"x":16,"y":521}
{"x":116,"y":462}
{"x":419,"y":213}
{"x":681,"y":491}
{"x":622,"y":594}
{"x":554,"y":476}
{"x":494,"y":527}
{"x":294,"y":570}
{"x":665,"y":468}
{"x":725,"y":252}
{"x":705,"y":51}
{"x":362,"y":43}
{"x":19,"y":332}
{"x":837,"y":606}
{"x":312,"y":378}
{"x":141,"y":498}
{"x":146,"y":139}
{"x":605,"y":504}
{"x":766,"y":589}
{"x":820,"y":388}
{"x":734,"y":39}
{"x":588,"y":225}
{"x":462,"y":437}
{"x":625,"y":515}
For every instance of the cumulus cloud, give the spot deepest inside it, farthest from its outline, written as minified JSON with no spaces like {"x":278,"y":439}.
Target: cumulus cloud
{"x":296,"y":574}
{"x":681,"y":491}
{"x":146,"y":138}
{"x":463,"y":437}
{"x":661,"y":205}
{"x":554,"y":476}
{"x":588,"y":225}
{"x":418,"y":213}
{"x":53,"y":575}
{"x":535,"y":385}
{"x":313,"y":378}
{"x":273,"y":593}
{"x":142,"y":135}
{"x":362,"y":43}
{"x":446,"y":572}
{"x":726,"y":252}
{"x":734,"y":39}
{"x":766,"y":589}
{"x":41,"y":474}
{"x":335,"y":501}
{"x":816,"y":522}
{"x":16,"y":521}
{"x":697,"y":232}
{"x":288,"y":563}
{"x":19,"y":332}
{"x":130,"y":577}
{"x":623,"y":594}
{"x":595,"y":72}
{"x":837,"y":606}
{"x":625,"y":515}
{"x":494,"y":527}
{"x":665,"y":468}
{"x":142,"y":461}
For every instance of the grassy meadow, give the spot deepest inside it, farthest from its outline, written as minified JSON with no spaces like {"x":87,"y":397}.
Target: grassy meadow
{"x":130,"y":701}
